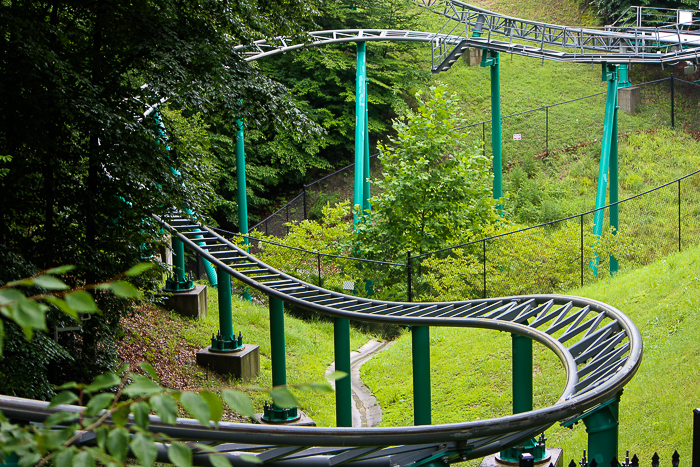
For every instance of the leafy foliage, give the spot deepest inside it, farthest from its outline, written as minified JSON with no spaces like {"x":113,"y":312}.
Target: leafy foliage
{"x":436,"y":189}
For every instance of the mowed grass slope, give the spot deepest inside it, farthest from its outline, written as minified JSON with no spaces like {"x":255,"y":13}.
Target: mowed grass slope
{"x":471,"y":369}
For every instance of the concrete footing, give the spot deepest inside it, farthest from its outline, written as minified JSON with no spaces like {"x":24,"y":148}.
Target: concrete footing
{"x":629,"y":98}
{"x":192,"y":303}
{"x":303,"y":420}
{"x":243,"y":364}
{"x":472,"y":56}
{"x":556,"y":458}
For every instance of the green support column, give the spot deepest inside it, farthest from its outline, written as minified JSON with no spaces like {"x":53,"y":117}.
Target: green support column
{"x":226,"y":340}
{"x":242,"y":194}
{"x":179,"y":282}
{"x":365,"y":186}
{"x":602,"y":426}
{"x":360,"y":126}
{"x":490,"y":58}
{"x":420,"y":339}
{"x":623,"y":76}
{"x":614,"y":187}
{"x":522,"y":399}
{"x":343,"y":390}
{"x":273,"y":413}
{"x":522,"y":373}
{"x":609,"y":74}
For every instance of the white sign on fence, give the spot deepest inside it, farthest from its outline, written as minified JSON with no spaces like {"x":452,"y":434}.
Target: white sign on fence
{"x":517,"y":137}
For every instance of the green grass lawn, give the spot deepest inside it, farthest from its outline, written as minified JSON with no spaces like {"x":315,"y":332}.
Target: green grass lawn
{"x":471,"y":368}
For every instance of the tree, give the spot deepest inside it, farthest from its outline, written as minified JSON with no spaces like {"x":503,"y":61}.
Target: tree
{"x":86,"y":169}
{"x":436,"y":189}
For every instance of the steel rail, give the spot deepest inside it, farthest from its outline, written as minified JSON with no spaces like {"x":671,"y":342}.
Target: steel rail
{"x":599,"y":347}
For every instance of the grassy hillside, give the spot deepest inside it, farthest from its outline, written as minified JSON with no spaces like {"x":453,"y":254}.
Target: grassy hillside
{"x":471,"y":369}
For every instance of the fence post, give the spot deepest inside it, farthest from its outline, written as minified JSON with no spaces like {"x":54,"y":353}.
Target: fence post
{"x":673,"y":104}
{"x":483,"y":248}
{"x":696,"y":438}
{"x":304,"y":201}
{"x":581,"y":217}
{"x":408,"y":276}
{"x":546,"y":109}
{"x":679,"y":216}
{"x":287,"y":218}
{"x":319,"y":270}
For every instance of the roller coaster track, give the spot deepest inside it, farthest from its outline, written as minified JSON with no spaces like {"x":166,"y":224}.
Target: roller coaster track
{"x":471,"y":26}
{"x":599,"y":347}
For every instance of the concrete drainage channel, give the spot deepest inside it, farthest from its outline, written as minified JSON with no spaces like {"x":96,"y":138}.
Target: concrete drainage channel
{"x":365,"y":410}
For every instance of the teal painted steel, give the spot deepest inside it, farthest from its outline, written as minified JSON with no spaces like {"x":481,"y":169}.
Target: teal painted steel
{"x":420,"y":339}
{"x":343,"y":389}
{"x":609,"y":74}
{"x":522,"y":373}
{"x":178,"y":261}
{"x":614,"y":188}
{"x":277,"y":346}
{"x":365,"y":186}
{"x":623,"y":76}
{"x":360,"y":127}
{"x":226,"y":340}
{"x":496,"y":142}
{"x":242,"y":194}
{"x":602,"y":426}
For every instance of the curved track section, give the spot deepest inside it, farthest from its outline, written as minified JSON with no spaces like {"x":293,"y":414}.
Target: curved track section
{"x":599,"y":347}
{"x":471,"y":26}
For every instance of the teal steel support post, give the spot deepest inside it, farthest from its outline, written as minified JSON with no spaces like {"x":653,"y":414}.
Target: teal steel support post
{"x":277,"y":347}
{"x":343,"y":390}
{"x":226,"y":340}
{"x":522,"y":399}
{"x":623,"y":76}
{"x":179,"y":282}
{"x":490,"y":58}
{"x":360,"y":127}
{"x":602,"y":426}
{"x":522,"y":373}
{"x":614,"y":187}
{"x":420,"y":339}
{"x":242,"y":193}
{"x":365,"y":187}
{"x":609,"y":74}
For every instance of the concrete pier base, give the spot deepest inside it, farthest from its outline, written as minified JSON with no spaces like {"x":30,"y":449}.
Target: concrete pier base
{"x":243,"y":364}
{"x":472,"y":56}
{"x":629,"y":98}
{"x":192,"y":304}
{"x":556,"y":458}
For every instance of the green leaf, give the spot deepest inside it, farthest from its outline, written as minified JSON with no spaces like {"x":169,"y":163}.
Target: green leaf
{"x":62,"y":305}
{"x":141,"y":410}
{"x":10,"y":296}
{"x":99,"y":402}
{"x":29,"y":459}
{"x":103,"y":381}
{"x":64,"y":397}
{"x":238,"y":402}
{"x":250,"y":458}
{"x":148,"y":368}
{"x":83,"y":459}
{"x":216,"y":408}
{"x":321,"y":387}
{"x":196,"y":406}
{"x":121,"y":415}
{"x":65,"y":457}
{"x":21,"y":282}
{"x":81,"y":301}
{"x":118,"y":443}
{"x":50,"y":283}
{"x":60,"y":418}
{"x":145,"y":449}
{"x":180,"y":455}
{"x":124,"y":289}
{"x":336,"y":375}
{"x":142,"y":386}
{"x":165,"y":406}
{"x":283,"y":398}
{"x":138,"y":269}
{"x":30,"y":315}
{"x":57,"y":271}
{"x":68,"y":385}
{"x":217,"y":460}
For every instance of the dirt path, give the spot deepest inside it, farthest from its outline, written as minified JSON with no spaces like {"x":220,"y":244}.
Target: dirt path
{"x":365,"y":410}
